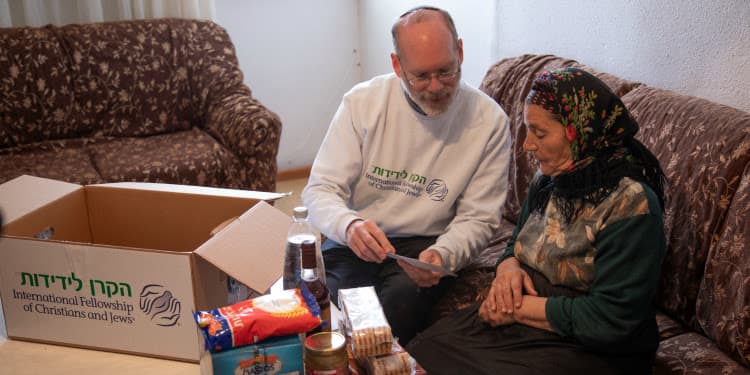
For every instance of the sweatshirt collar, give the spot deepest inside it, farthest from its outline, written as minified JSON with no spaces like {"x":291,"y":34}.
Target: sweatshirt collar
{"x":413,"y":104}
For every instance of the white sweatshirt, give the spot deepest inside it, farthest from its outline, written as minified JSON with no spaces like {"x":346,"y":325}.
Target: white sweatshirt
{"x":411,"y":174}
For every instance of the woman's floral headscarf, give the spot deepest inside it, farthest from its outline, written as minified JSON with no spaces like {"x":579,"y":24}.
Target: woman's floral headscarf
{"x":592,"y":115}
{"x":603,"y":149}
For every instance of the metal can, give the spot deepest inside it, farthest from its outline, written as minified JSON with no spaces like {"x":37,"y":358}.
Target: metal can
{"x":325,"y":354}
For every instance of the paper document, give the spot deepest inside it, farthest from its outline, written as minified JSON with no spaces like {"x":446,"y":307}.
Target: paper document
{"x":418,"y":263}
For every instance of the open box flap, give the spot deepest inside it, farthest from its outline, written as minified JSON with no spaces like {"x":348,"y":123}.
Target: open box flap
{"x":200,"y":190}
{"x":251,"y":248}
{"x":25,"y":194}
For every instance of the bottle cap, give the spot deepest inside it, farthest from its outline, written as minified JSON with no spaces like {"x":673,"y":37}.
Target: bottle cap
{"x":300,"y":212}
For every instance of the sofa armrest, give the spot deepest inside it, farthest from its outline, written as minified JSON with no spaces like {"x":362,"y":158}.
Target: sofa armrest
{"x":251,"y":131}
{"x":224,"y":104}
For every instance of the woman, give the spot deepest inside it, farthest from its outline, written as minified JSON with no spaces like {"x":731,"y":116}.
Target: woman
{"x":573,"y":291}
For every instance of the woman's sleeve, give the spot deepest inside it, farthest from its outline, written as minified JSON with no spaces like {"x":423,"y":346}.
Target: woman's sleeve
{"x":619,"y":304}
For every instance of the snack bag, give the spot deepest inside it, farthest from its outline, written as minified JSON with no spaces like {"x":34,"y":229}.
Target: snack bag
{"x":364,"y":322}
{"x":247,"y":322}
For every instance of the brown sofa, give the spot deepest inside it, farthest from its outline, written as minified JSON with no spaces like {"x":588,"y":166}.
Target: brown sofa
{"x":704,"y":149}
{"x":156,"y":101}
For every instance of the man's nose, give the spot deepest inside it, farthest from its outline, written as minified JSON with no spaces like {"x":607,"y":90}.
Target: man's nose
{"x":435,"y":83}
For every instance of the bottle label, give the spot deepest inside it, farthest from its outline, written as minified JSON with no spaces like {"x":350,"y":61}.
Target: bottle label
{"x":292,"y":259}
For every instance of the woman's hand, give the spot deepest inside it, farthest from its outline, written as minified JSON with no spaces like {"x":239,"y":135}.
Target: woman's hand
{"x":507,"y":290}
{"x":494,"y":317}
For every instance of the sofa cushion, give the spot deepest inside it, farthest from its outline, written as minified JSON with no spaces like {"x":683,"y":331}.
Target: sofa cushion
{"x":669,"y":327}
{"x":68,"y":164}
{"x":692,"y":353}
{"x":508,"y":82}
{"x":118,"y":79}
{"x":129,"y":78}
{"x":35,"y":89}
{"x":703,"y":148}
{"x":724,"y":295}
{"x":189,"y":157}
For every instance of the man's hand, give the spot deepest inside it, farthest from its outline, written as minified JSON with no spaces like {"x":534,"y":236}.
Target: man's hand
{"x":368,"y":241}
{"x":423,"y":277}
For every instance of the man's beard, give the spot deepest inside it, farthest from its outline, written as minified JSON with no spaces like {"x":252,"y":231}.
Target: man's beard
{"x":424,"y":100}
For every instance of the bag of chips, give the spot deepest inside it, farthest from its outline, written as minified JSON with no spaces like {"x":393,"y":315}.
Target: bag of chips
{"x":247,"y":322}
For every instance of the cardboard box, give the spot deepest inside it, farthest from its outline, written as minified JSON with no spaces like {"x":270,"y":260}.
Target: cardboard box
{"x":276,"y":355}
{"x":122,"y":266}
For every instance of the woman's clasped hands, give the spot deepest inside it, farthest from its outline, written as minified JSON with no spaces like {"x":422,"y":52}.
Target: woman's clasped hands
{"x":506,"y":293}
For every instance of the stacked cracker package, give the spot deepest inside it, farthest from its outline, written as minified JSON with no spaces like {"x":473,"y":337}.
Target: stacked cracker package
{"x":369,"y":336}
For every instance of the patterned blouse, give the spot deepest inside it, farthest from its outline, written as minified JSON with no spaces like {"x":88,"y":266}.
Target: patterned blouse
{"x":612,"y":253}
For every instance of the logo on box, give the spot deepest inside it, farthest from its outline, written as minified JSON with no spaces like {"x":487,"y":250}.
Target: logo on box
{"x":160,"y":305}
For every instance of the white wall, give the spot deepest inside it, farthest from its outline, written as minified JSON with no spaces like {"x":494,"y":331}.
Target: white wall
{"x":694,"y":47}
{"x":299,"y":57}
{"x":474,"y":24}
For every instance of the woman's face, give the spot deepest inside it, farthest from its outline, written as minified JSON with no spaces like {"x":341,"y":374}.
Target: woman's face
{"x":546,"y":140}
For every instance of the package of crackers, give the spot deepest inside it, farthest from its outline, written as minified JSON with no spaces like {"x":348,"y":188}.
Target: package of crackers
{"x":397,"y":362}
{"x":390,"y":364}
{"x":366,"y":327}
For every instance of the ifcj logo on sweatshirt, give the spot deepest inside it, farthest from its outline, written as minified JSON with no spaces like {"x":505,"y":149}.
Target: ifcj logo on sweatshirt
{"x":410,"y":184}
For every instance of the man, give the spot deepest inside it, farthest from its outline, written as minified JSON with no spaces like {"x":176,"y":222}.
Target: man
{"x":414,"y":163}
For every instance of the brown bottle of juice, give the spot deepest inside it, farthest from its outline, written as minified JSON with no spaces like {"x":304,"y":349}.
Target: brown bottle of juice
{"x":315,"y":284}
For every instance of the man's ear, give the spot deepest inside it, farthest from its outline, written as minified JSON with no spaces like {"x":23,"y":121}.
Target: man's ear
{"x":396,"y":64}
{"x":460,"y":51}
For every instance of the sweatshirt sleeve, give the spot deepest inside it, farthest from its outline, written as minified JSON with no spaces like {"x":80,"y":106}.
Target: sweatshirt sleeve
{"x":615,"y":312}
{"x":479,"y":208}
{"x":337,"y":165}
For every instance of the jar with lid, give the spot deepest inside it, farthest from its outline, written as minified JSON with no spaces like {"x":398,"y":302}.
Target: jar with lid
{"x":325,"y":354}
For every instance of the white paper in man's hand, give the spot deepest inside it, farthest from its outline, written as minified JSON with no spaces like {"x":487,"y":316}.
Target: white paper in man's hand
{"x":420,"y":264}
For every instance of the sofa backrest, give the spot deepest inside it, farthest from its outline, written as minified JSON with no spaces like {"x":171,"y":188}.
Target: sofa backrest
{"x":35,"y":81}
{"x":704,"y":149}
{"x":508,"y":82}
{"x":724,"y":295}
{"x":130,"y":78}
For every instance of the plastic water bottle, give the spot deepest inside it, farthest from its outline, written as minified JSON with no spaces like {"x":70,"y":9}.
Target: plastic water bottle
{"x":299,"y":232}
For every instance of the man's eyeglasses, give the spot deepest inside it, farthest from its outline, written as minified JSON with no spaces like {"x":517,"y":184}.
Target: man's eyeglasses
{"x":421,"y":81}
